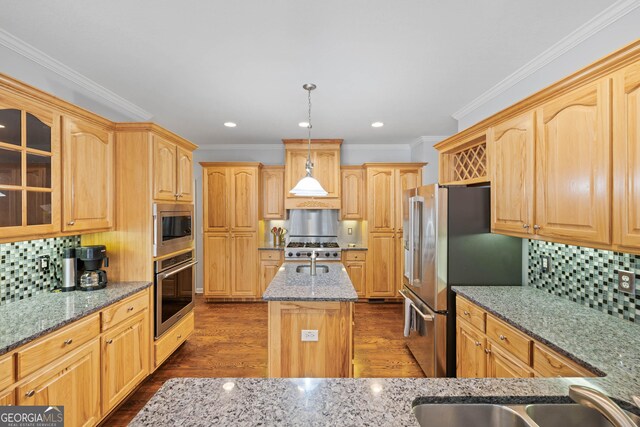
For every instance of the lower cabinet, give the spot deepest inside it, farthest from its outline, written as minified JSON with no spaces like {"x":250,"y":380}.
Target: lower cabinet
{"x":356,"y":265}
{"x":230,"y":265}
{"x":270,"y":262}
{"x":125,"y":359}
{"x":501,"y":365}
{"x":72,"y":383}
{"x":471,"y":360}
{"x":173,"y":338}
{"x":8,"y":397}
{"x":381,"y":271}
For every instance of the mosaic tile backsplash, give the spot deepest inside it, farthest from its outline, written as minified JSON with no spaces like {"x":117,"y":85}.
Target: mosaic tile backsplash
{"x":587,"y":276}
{"x":20,"y":277}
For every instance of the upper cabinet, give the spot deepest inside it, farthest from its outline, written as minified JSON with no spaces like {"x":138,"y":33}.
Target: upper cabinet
{"x":272,"y":192}
{"x":353,"y":194}
{"x":463,"y":159}
{"x":244,"y":198}
{"x":626,"y":161}
{"x":88,"y":176}
{"x":325,"y":156}
{"x":573,"y":172}
{"x":172,"y":171}
{"x":511,"y":145}
{"x":29,"y":169}
{"x":216,"y":184}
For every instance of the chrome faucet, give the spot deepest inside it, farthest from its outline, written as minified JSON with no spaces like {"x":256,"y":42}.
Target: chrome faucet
{"x":312,"y":259}
{"x":592,"y":398}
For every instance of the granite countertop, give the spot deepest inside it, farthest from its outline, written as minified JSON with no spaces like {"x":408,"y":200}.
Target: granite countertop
{"x":269,"y":246}
{"x":357,"y":247}
{"x":24,"y":321}
{"x":287,"y":285}
{"x":586,"y":335}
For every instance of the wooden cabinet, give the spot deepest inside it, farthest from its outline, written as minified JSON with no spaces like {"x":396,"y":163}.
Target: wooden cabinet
{"x":381,"y":199}
{"x":501,"y":364}
{"x":173,"y":338}
{"x":381,"y":265}
{"x":217,"y":265}
{"x":325,"y":156}
{"x":172,"y":171}
{"x":73,"y":383}
{"x":8,"y":397}
{"x":272,"y":192}
{"x":511,"y":145}
{"x":88,"y":176}
{"x":626,"y":160}
{"x":471,"y":356}
{"x":244,"y":198}
{"x":353,"y":192}
{"x":270,"y":263}
{"x":573,"y":172}
{"x":355,"y":262}
{"x":217,"y":198}
{"x":244,"y":262}
{"x":125,"y":359}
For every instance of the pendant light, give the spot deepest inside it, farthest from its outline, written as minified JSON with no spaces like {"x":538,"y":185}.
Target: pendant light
{"x":309,"y":186}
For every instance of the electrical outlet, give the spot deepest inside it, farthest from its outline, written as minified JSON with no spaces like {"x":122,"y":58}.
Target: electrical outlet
{"x":309,"y":335}
{"x":349,"y":231}
{"x":546,"y":263}
{"x":43,"y":263}
{"x":627,"y":282}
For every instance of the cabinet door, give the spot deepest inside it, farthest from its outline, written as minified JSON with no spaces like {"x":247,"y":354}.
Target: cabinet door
{"x":381,"y":265}
{"x":471,"y":357}
{"x":357,"y":271}
{"x":244,"y":256}
{"x":164,"y":169}
{"x":125,"y":360}
{"x":8,"y":397}
{"x":381,"y":199}
{"x":244,"y":199}
{"x":352,"y":193}
{"x":627,"y":157}
{"x":573,"y":174}
{"x":184,"y":175}
{"x":217,"y":265}
{"x":268,"y":270}
{"x":295,"y":161}
{"x":406,"y":179}
{"x":217,"y":198}
{"x":88,"y":176}
{"x":326,"y":169}
{"x":501,"y":365}
{"x":72,"y":383}
{"x":272,"y":193}
{"x":511,"y":145}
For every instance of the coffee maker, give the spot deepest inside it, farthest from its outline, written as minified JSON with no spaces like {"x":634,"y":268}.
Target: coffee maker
{"x":90,"y":259}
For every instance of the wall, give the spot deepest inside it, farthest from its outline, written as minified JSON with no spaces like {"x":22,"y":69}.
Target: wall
{"x":581,"y":48}
{"x":422,"y":151}
{"x":19,"y":275}
{"x":586,"y":276}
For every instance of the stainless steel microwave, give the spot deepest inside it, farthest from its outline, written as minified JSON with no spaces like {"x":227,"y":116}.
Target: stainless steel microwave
{"x":172,"y":228}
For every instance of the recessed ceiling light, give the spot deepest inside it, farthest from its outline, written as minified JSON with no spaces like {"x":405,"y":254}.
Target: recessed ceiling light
{"x":377,"y":124}
{"x":303,"y":124}
{"x":1,"y":126}
{"x":230,"y":124}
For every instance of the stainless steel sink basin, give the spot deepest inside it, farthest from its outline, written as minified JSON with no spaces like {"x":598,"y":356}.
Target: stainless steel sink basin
{"x":465,"y":415}
{"x":569,"y":415}
{"x":306,"y":268}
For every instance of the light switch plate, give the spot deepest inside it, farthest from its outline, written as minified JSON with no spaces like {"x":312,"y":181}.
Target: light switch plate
{"x":309,"y":335}
{"x":627,"y":282}
{"x":43,"y":263}
{"x":546,"y":263}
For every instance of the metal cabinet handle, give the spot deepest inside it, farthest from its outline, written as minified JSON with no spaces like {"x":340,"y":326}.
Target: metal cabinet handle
{"x":502,"y":337}
{"x":466,"y":313}
{"x":110,"y":341}
{"x":536,"y":227}
{"x":72,"y":222}
{"x":478,"y":343}
{"x":130,"y":308}
{"x":30,"y":393}
{"x":525,"y":226}
{"x":486,"y":350}
{"x":179,"y":336}
{"x":68,"y":341}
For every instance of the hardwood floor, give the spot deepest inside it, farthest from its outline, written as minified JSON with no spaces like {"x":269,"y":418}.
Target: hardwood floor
{"x":230,"y":340}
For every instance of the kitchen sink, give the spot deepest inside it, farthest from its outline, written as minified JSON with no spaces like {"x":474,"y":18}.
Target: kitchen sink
{"x":307,"y":268}
{"x":465,"y":415}
{"x":569,"y":415}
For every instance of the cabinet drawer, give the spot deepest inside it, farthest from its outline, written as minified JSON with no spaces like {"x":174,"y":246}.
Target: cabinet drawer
{"x":123,"y":310}
{"x":355,"y":255}
{"x":550,"y":364}
{"x":57,"y":345}
{"x":512,"y":340}
{"x":271,"y":255}
{"x":166,"y":345}
{"x":7,"y":372}
{"x":471,"y":313}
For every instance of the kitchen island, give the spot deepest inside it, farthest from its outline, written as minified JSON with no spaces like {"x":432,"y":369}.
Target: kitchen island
{"x":310,"y":321}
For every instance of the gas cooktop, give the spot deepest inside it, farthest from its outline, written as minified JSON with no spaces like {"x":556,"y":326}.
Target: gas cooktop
{"x":302,"y":250}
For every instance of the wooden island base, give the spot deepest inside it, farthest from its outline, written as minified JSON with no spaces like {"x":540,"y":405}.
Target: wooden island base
{"x":330,"y":356}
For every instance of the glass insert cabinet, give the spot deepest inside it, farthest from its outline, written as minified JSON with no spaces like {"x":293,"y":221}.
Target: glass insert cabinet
{"x":29,"y":170}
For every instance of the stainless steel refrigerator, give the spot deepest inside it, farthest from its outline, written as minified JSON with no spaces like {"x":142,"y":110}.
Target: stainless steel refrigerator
{"x":447,"y":242}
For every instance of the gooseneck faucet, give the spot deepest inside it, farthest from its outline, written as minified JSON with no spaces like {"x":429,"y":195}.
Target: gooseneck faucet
{"x":592,"y":398}
{"x":312,"y":259}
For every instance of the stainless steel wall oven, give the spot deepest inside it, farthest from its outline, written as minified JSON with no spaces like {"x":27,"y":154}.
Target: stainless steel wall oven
{"x":174,"y":290}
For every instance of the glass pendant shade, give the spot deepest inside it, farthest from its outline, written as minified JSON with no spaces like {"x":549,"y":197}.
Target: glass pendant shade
{"x":308,"y":186}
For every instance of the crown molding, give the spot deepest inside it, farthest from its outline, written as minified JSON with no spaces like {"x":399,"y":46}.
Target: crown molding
{"x":210,"y":147}
{"x":591,"y":27}
{"x":25,"y":49}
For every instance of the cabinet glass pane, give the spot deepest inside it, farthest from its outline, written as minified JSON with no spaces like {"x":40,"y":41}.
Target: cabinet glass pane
{"x":38,"y":171}
{"x":38,"y":208}
{"x":38,"y":134}
{"x":10,"y":167}
{"x":10,"y":127}
{"x":10,"y":208}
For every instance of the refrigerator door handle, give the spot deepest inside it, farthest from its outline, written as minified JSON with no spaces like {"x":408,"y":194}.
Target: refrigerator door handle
{"x":410,"y":260}
{"x":426,"y":317}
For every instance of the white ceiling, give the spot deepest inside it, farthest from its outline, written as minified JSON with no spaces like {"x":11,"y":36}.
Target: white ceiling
{"x":197,"y":64}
